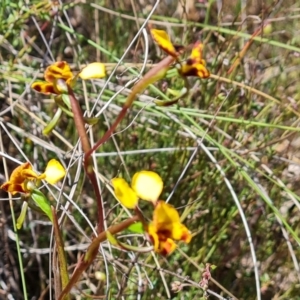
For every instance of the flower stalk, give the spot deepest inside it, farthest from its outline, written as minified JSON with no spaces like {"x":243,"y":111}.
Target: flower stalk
{"x":87,"y":258}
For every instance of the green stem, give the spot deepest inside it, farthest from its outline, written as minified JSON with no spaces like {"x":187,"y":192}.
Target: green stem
{"x":63,"y":267}
{"x":87,"y":120}
{"x":20,"y":256}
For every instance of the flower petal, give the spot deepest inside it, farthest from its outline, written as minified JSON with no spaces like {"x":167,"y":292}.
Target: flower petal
{"x":164,"y":216}
{"x":148,"y":185}
{"x":151,"y":230}
{"x":163,"y":41}
{"x":29,"y":174}
{"x":181,"y":233}
{"x":58,"y":70}
{"x":166,"y":247}
{"x":189,"y":68}
{"x":17,"y":179}
{"x":13,"y":188}
{"x":165,"y":228}
{"x":161,"y":243}
{"x":17,"y":174}
{"x":93,"y":71}
{"x":196,"y":53}
{"x":124,"y":193}
{"x":166,"y":219}
{"x":54,"y":172}
{"x":195,"y":64}
{"x":43,"y":87}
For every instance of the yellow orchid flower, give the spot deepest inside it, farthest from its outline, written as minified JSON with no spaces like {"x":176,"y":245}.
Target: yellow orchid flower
{"x":195,"y":65}
{"x":165,"y":228}
{"x":146,"y":185}
{"x":62,"y":71}
{"x":23,"y":178}
{"x":56,"y":71}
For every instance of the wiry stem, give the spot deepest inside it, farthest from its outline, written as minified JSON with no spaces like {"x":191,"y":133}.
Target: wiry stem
{"x":88,"y":163}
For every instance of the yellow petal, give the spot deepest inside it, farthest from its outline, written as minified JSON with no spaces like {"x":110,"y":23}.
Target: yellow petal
{"x":93,"y":71}
{"x":165,"y":216}
{"x":163,"y":41}
{"x":166,"y":219}
{"x":43,"y":87}
{"x":189,"y":68}
{"x":197,"y":52}
{"x":30,"y":174}
{"x":202,"y":71}
{"x":13,"y":188}
{"x":151,"y":230}
{"x":16,"y":176}
{"x":124,"y":193}
{"x":54,"y":171}
{"x":58,"y":70}
{"x":17,"y":179}
{"x":148,"y":185}
{"x":166,"y":247}
{"x":181,"y":233}
{"x":161,"y":242}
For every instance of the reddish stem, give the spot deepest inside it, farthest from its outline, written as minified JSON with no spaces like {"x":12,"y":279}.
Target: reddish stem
{"x":88,"y":162}
{"x":87,"y":258}
{"x":108,"y":133}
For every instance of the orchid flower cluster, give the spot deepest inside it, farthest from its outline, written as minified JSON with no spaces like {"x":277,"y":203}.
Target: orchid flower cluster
{"x":165,"y":227}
